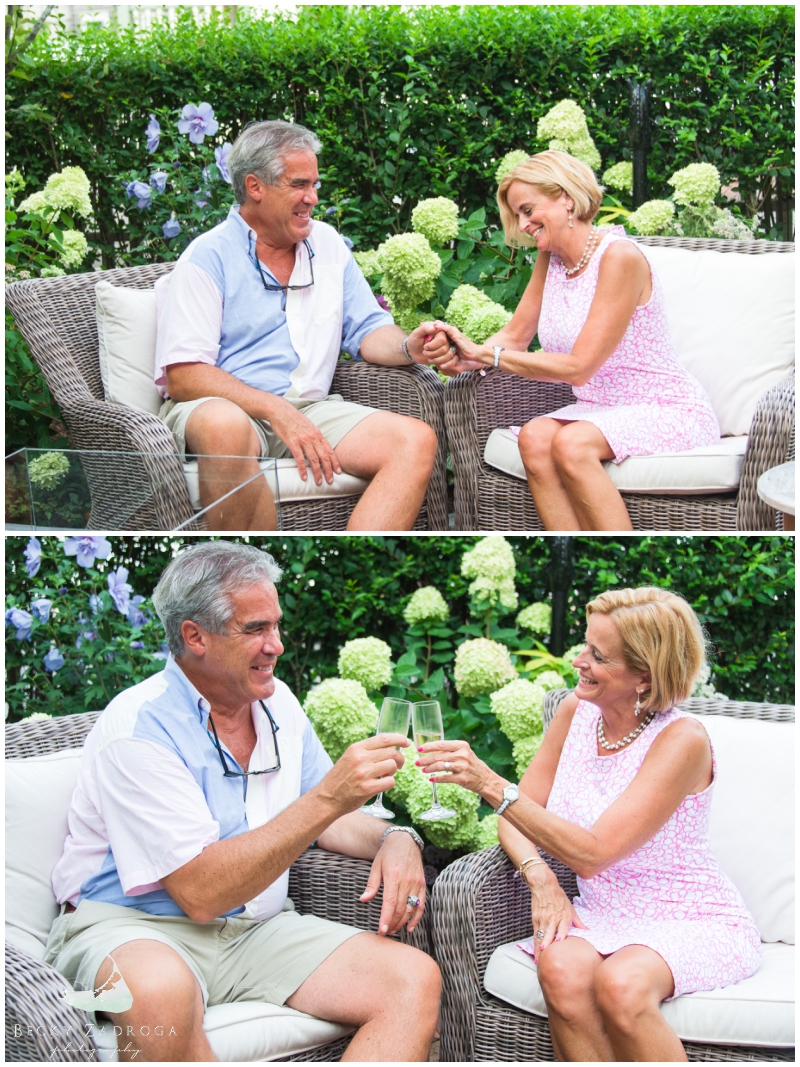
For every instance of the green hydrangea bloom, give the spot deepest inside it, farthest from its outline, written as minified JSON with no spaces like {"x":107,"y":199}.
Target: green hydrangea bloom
{"x":620,"y":176}
{"x":698,"y":184}
{"x":492,"y":557}
{"x":482,"y":666}
{"x":369,"y":261}
{"x":730,"y":228}
{"x":465,"y":300}
{"x":550,"y":680}
{"x":436,"y":219}
{"x":52,"y":271}
{"x":536,"y":617}
{"x":407,"y":320}
{"x":652,"y":217}
{"x":704,"y":687}
{"x":48,"y":470}
{"x":36,"y":715}
{"x":341,"y":713}
{"x":15,"y":182}
{"x":564,"y":127}
{"x":414,"y":790}
{"x":69,"y":191}
{"x":508,"y":162}
{"x":583,"y":149}
{"x":486,"y":836}
{"x":518,"y":707}
{"x":499,"y":595}
{"x":367,"y":660}
{"x":410,"y":268}
{"x":75,"y":248}
{"x":573,"y":652}
{"x":36,"y":203}
{"x":426,"y":607}
{"x":482,"y":322}
{"x":524,"y":751}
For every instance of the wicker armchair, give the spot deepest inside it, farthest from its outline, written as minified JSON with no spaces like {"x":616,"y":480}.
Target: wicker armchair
{"x":487,"y":499}
{"x":56,"y":316}
{"x":320,"y":882}
{"x":479,"y":905}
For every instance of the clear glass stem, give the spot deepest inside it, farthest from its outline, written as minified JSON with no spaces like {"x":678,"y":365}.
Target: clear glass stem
{"x":436,"y":803}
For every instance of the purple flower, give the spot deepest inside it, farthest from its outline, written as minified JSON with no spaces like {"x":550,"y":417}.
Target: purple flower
{"x":221,"y":159}
{"x":137,"y":644}
{"x":21,"y":621}
{"x":41,"y":608}
{"x":53,"y":661}
{"x":33,"y":556}
{"x":153,"y":132}
{"x":159,"y":180}
{"x":382,"y":302}
{"x":119,"y":588}
{"x":95,"y":603}
{"x":86,"y":550}
{"x":141,"y":191}
{"x":164,"y":653}
{"x":198,"y":197}
{"x":136,"y":617}
{"x":171,"y":228}
{"x":331,"y":210}
{"x":85,"y":635}
{"x":198,"y":122}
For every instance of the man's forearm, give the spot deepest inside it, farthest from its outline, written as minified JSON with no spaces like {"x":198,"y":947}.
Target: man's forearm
{"x":384,"y":346}
{"x":190,"y":381}
{"x":355,"y":834}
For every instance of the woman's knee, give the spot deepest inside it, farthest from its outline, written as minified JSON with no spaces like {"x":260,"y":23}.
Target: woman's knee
{"x":623,"y":995}
{"x":536,"y":444}
{"x":565,"y":981}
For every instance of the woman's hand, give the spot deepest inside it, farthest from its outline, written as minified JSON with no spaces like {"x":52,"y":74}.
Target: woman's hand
{"x":461,"y":354}
{"x":454,"y":762}
{"x":552,"y":912}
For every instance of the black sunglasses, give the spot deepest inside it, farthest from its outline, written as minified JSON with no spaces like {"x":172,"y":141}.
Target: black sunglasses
{"x":246,"y":774}
{"x":284,"y":288}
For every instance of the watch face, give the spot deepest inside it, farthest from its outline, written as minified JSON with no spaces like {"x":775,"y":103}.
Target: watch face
{"x":511,"y":792}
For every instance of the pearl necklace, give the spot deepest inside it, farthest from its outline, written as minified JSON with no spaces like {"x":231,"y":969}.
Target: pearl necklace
{"x":588,"y":252}
{"x":601,"y":737}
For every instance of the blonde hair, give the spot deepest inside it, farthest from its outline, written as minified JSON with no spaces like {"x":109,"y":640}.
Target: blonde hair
{"x":554,"y":173}
{"x":661,"y":635}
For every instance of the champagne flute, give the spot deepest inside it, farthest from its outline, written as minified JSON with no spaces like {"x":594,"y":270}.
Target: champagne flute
{"x":427,"y":719}
{"x":393,"y":719}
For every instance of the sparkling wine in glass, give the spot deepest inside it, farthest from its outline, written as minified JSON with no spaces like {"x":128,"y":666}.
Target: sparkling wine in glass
{"x":427,"y":719}
{"x":394,"y":719}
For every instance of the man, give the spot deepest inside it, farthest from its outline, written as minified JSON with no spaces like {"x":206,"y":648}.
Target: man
{"x":198,"y":789}
{"x":250,"y":325}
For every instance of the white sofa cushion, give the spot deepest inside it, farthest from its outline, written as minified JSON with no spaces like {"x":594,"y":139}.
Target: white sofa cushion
{"x":126,"y":332}
{"x":291,"y":485}
{"x":757,"y":1011}
{"x":732,"y":320}
{"x":752,"y":816}
{"x":711,"y":469}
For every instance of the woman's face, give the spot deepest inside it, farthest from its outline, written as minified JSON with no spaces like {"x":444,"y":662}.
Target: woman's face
{"x":540,"y":217}
{"x":604,"y":679}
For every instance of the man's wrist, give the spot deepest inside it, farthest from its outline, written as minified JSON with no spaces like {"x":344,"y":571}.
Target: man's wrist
{"x":405,"y":350}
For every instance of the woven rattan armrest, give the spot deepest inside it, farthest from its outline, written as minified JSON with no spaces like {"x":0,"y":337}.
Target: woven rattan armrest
{"x":771,"y":442}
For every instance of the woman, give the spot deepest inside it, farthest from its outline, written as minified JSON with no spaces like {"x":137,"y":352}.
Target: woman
{"x":620,"y":790}
{"x":599,"y":312}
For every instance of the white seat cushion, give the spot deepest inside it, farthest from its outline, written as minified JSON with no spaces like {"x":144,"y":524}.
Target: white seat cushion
{"x":290,"y":484}
{"x":126,"y":332}
{"x":757,"y":1011}
{"x":712,"y":469}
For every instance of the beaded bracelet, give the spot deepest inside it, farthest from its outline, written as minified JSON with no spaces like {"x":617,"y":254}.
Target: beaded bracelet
{"x":531,"y":861}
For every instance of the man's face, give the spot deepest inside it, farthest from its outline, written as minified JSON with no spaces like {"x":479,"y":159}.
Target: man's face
{"x":285,"y":209}
{"x":244,"y":658}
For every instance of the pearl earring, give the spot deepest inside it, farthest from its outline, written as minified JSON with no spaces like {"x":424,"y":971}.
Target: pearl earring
{"x":638,"y":709}
{"x":569,"y":216}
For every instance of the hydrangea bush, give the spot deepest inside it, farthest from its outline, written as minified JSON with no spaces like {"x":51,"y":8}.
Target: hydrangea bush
{"x":565,"y":129}
{"x":367,"y":660}
{"x":342,"y":713}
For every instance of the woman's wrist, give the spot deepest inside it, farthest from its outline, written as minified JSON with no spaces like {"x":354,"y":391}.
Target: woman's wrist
{"x":492,"y":790}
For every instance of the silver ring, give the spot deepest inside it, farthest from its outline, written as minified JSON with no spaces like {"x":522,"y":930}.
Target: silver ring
{"x":413,"y":902}
{"x":446,"y":767}
{"x":540,"y":933}
{"x":454,"y":350}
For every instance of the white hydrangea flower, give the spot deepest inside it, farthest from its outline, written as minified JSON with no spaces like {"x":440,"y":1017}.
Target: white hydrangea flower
{"x":36,"y":202}
{"x":367,"y":660}
{"x":436,"y":219}
{"x":410,"y":268}
{"x":500,"y":594}
{"x":620,"y":176}
{"x":508,"y":162}
{"x":573,"y":652}
{"x":492,"y":557}
{"x":484,"y":321}
{"x":427,"y":606}
{"x":48,"y":470}
{"x":730,"y":228}
{"x":482,"y":666}
{"x":583,"y":148}
{"x":413,"y":789}
{"x":341,"y":713}
{"x":36,"y":715}
{"x":518,"y":707}
{"x":698,"y":184}
{"x":75,"y":248}
{"x":564,"y":127}
{"x":369,"y":261}
{"x":652,"y":217}
{"x":536,"y":617}
{"x":465,"y":300}
{"x":52,"y":271}
{"x":486,"y":835}
{"x":550,"y":680}
{"x":524,"y":751}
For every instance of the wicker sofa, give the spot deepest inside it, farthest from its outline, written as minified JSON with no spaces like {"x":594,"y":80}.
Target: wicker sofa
{"x":41,"y":770}
{"x":492,"y":1008}
{"x":58,"y":318}
{"x":731,"y":312}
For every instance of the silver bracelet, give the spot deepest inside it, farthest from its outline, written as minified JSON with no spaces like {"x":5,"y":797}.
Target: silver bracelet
{"x":406,"y":830}
{"x":407,"y":354}
{"x":497,"y":349}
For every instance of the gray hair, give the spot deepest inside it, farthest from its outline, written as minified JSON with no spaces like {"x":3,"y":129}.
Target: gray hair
{"x":199,"y":582}
{"x":261,"y":149}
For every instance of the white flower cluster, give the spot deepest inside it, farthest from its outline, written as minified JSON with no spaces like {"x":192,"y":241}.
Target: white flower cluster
{"x":704,"y":687}
{"x":426,"y":607}
{"x":620,"y":176}
{"x":523,"y":752}
{"x":565,"y":129}
{"x":730,"y":228}
{"x":652,"y":217}
{"x":697,"y":184}
{"x":48,"y":470}
{"x":341,"y":713}
{"x":482,"y":666}
{"x":518,"y":707}
{"x":367,"y":660}
{"x":68,"y":190}
{"x":75,"y":248}
{"x":491,"y":566}
{"x":508,"y":162}
{"x":536,"y":617}
{"x":413,"y":789}
{"x":436,"y":219}
{"x":370,"y":263}
{"x":410,"y":269}
{"x":476,"y":314}
{"x":549,"y":680}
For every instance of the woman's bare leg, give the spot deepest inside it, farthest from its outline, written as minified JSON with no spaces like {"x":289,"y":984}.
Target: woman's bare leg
{"x":578,"y":450}
{"x":547,"y":489}
{"x":566,"y":974}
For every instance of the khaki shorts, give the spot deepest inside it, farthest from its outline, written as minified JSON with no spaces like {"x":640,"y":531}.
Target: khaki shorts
{"x":334,"y":416}
{"x":232,"y":959}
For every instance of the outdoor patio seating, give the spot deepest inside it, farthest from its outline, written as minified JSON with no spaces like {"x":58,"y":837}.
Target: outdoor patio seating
{"x":103,"y":385}
{"x":731,"y":311}
{"x":492,"y":1006}
{"x":42,"y":760}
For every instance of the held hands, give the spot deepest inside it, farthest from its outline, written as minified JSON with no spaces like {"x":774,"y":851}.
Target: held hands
{"x":460,"y":354}
{"x":426,"y":343}
{"x":398,"y":865}
{"x":305,"y":441}
{"x":552,"y":912}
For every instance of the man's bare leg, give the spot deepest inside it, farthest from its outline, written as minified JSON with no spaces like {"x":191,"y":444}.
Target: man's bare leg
{"x":219,"y":428}
{"x":397,"y":453}
{"x":166,"y":997}
{"x":390,"y":991}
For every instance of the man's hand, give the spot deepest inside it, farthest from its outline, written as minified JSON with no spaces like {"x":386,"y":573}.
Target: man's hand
{"x":398,"y":865}
{"x":460,"y":354}
{"x":364,"y":770}
{"x":305,"y":441}
{"x":427,"y":344}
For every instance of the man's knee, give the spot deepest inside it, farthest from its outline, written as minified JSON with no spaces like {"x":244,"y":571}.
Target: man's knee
{"x":221,"y":428}
{"x":416,"y":982}
{"x":163,"y":987}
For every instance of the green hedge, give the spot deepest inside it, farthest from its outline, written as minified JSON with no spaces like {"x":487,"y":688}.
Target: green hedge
{"x":421,"y":102}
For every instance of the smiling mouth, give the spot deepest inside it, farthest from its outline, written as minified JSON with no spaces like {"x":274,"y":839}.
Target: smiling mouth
{"x":264,"y":668}
{"x":586,"y":681}
{"x":536,"y":233}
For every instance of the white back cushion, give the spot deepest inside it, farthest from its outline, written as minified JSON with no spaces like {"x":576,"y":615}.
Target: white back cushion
{"x":752,"y":817}
{"x":126,"y":331}
{"x":38,"y":794}
{"x":732,"y":321}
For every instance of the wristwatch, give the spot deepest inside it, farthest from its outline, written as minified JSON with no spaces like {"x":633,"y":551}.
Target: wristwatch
{"x":496,"y":350}
{"x":405,"y":830}
{"x":510,"y":794}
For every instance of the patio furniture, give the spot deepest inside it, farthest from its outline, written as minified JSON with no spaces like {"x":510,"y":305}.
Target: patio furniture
{"x":42,"y":759}
{"x":731,"y":311}
{"x":492,"y":1006}
{"x":103,"y":385}
{"x":776,"y":488}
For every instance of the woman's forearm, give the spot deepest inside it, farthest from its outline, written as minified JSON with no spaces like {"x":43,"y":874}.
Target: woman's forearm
{"x":541,"y":366}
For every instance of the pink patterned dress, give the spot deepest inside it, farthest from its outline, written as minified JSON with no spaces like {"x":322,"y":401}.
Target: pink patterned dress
{"x":669,"y":895}
{"x":642,"y":399}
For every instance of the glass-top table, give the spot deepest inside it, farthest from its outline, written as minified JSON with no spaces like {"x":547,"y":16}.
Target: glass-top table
{"x":55,"y":489}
